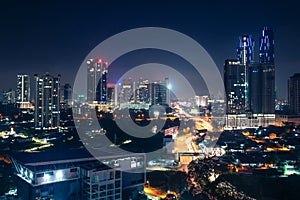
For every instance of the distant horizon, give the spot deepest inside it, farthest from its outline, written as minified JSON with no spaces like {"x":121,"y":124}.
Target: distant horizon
{"x":63,"y":81}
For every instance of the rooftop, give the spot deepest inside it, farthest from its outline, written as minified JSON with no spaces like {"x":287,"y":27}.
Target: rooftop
{"x":80,"y":154}
{"x":52,"y":156}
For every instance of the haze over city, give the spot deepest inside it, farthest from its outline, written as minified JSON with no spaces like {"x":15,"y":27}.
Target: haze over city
{"x":57,"y":36}
{"x":172,"y":100}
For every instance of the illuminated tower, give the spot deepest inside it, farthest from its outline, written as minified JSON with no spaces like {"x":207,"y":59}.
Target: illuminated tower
{"x":245,"y":50}
{"x":126,"y":92}
{"x":142,"y":91}
{"x":97,"y":80}
{"x":245,"y":54}
{"x":23,"y":89}
{"x":47,"y":101}
{"x":160,"y":92}
{"x":266,"y":47}
{"x":235,"y":86}
{"x":266,"y":59}
{"x":249,"y":85}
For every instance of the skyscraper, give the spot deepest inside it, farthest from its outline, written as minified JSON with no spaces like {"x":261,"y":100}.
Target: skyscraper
{"x":235,"y":86}
{"x":126,"y":92}
{"x":294,"y":93}
{"x":142,"y":91}
{"x":245,"y":51}
{"x":67,"y":95}
{"x":97,"y":80}
{"x":133,"y":93}
{"x":255,"y":87}
{"x":266,"y":59}
{"x":47,"y":101}
{"x":8,"y":97}
{"x":111,"y":93}
{"x":245,"y":55}
{"x":266,"y":47}
{"x":23,"y":89}
{"x":250,"y":86}
{"x":160,"y":93}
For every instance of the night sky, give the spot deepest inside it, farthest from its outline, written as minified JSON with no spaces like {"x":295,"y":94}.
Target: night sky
{"x":55,"y":37}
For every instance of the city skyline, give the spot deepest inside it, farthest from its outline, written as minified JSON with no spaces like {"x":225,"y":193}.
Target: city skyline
{"x":253,"y":97}
{"x":119,"y":100}
{"x":38,"y":47}
{"x":250,"y":85}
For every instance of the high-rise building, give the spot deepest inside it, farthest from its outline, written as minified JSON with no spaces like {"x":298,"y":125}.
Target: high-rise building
{"x":250,"y":86}
{"x":201,"y":101}
{"x":97,"y":80}
{"x":126,"y":92}
{"x":294,"y":93}
{"x":133,"y":94}
{"x":245,"y":55}
{"x":245,"y":51}
{"x":255,"y":88}
{"x":111,"y":93}
{"x":47,"y":101}
{"x":160,"y":93}
{"x":266,"y":59}
{"x":67,"y":94}
{"x":142,"y":91}
{"x":258,"y":93}
{"x":235,"y":86}
{"x":266,"y":47}
{"x":8,"y":97}
{"x":23,"y":89}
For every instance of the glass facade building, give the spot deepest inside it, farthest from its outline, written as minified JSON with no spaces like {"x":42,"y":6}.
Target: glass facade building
{"x":266,"y":47}
{"x":160,"y":94}
{"x":250,"y":86}
{"x":294,"y":93}
{"x":245,"y":51}
{"x":266,"y":60}
{"x":235,"y":86}
{"x":255,"y":88}
{"x":97,"y":80}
